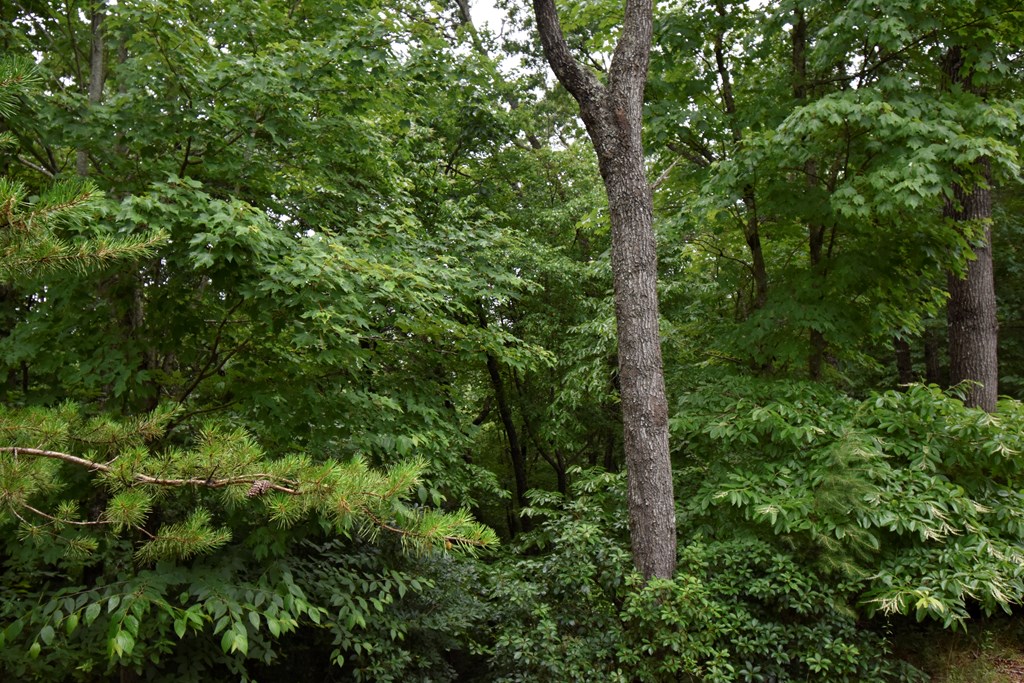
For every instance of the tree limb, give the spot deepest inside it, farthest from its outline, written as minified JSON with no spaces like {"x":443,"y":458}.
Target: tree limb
{"x":139,"y":478}
{"x":581,"y":83}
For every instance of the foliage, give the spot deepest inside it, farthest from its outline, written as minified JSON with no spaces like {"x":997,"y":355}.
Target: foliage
{"x":31,"y":231}
{"x":738,"y":609}
{"x":242,"y":615}
{"x":246,"y":360}
{"x":910,"y":495}
{"x":803,"y":173}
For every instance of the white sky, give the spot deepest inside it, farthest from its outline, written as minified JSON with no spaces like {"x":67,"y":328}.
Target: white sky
{"x":486,"y":15}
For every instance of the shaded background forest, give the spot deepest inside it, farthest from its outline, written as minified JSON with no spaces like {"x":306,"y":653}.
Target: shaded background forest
{"x":355,"y":249}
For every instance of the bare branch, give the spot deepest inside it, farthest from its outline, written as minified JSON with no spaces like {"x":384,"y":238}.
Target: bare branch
{"x":665,"y":174}
{"x":60,"y":521}
{"x":36,"y":167}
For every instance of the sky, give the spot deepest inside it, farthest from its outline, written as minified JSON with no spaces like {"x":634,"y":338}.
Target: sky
{"x":486,"y":15}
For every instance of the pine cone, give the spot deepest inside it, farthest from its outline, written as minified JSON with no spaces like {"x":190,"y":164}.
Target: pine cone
{"x":258,"y":488}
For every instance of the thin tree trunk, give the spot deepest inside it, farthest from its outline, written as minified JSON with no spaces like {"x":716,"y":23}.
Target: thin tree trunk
{"x":613,"y":118}
{"x":815,"y":230}
{"x":96,"y":77}
{"x":556,"y":461}
{"x":818,"y":343}
{"x":932,"y":358}
{"x":815,"y":254}
{"x":751,"y":227}
{"x":609,"y":463}
{"x":517,"y":453}
{"x":904,"y":361}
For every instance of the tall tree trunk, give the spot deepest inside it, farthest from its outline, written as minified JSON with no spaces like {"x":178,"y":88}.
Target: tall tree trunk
{"x":613,"y":117}
{"x":815,"y":245}
{"x":96,"y":76}
{"x":971,"y":310}
{"x":815,"y":230}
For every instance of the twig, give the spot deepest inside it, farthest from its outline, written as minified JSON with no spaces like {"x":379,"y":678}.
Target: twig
{"x":35,"y":167}
{"x":664,"y":174}
{"x":61,"y":521}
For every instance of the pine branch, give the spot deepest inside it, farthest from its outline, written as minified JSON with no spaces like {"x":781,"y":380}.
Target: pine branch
{"x":343,"y":492}
{"x":92,"y":466}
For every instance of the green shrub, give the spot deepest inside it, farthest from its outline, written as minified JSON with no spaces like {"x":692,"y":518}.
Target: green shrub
{"x":912,"y":496}
{"x":738,"y":609}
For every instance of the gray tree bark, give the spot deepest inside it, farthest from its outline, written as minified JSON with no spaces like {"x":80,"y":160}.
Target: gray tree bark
{"x":612,"y":114}
{"x":971,"y":311}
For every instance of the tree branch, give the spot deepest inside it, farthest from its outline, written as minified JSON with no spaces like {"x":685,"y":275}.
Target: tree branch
{"x":139,"y":478}
{"x":628,"y":73}
{"x":581,"y":83}
{"x":36,"y":167}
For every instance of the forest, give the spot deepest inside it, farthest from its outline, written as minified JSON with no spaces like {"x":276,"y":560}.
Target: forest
{"x":605,"y":340}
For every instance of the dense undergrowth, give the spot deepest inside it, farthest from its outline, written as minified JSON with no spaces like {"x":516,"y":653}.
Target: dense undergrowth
{"x":812,"y":525}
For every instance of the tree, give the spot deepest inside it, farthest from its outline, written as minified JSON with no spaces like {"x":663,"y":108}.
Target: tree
{"x":84,"y":484}
{"x":612,"y":113}
{"x":974,"y":58}
{"x":851,"y":150}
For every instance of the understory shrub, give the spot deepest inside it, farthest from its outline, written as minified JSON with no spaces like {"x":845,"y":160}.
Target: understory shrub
{"x":739,"y":608}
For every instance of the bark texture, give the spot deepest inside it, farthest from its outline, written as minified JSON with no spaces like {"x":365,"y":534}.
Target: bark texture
{"x":971,"y":312}
{"x":612,"y":114}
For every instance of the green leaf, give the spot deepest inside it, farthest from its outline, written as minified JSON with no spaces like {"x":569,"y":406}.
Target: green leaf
{"x":179,"y":627}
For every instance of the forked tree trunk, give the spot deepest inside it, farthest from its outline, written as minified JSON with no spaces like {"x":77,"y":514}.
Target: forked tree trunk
{"x":612,"y":114}
{"x":516,"y":450}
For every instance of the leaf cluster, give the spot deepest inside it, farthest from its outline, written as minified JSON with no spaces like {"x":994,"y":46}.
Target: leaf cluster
{"x":909,"y":494}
